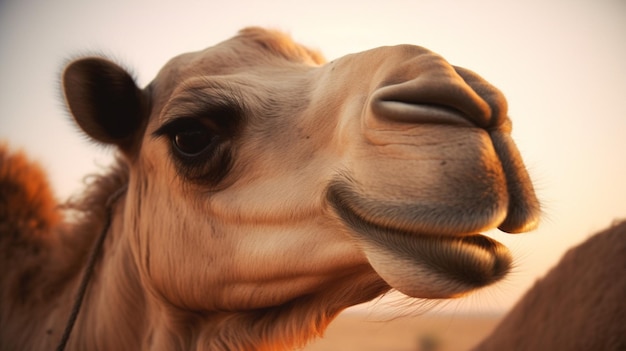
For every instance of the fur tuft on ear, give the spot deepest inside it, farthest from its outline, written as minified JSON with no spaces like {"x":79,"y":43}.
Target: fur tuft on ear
{"x":104,"y":100}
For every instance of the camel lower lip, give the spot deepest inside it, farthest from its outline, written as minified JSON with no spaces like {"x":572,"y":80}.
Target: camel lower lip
{"x":459,"y":263}
{"x":472,"y":261}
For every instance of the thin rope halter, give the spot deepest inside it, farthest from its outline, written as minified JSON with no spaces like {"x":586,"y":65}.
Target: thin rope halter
{"x":91,"y":263}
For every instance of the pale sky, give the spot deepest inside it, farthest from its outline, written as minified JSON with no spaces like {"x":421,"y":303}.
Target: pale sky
{"x":561,"y":64}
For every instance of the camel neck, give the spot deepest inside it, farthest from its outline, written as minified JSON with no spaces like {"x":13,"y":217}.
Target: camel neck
{"x":113,"y":306}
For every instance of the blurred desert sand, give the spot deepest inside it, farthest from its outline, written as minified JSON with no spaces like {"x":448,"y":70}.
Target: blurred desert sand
{"x":430,"y":332}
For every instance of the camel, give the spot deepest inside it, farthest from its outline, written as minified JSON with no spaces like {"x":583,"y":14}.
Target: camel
{"x":579,"y":305}
{"x":257,"y":192}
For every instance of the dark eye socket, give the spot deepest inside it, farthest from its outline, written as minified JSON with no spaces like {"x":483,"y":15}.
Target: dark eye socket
{"x":201,"y":134}
{"x":201,"y":151}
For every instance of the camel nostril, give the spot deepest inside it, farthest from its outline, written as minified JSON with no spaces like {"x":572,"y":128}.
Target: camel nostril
{"x":440,"y":97}
{"x":404,"y":112}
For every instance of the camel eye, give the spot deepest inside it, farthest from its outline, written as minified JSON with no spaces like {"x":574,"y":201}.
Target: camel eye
{"x":190,"y":137}
{"x":192,"y":142}
{"x":199,"y":147}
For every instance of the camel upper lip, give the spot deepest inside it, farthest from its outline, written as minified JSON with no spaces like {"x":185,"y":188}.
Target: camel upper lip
{"x":469,"y":260}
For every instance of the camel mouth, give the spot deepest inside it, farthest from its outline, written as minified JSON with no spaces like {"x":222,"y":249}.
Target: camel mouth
{"x":426,"y":265}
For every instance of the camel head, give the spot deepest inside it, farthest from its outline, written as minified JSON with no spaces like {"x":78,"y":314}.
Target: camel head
{"x":260,"y":175}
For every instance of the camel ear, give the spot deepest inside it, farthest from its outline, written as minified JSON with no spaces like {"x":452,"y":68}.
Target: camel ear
{"x":104,"y":100}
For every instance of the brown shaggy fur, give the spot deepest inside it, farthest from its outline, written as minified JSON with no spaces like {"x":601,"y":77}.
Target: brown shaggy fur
{"x":41,"y":253}
{"x":29,"y":220}
{"x":579,"y":305}
{"x":27,"y":203}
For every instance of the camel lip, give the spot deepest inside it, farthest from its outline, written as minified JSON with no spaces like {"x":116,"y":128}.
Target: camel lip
{"x":465,"y":261}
